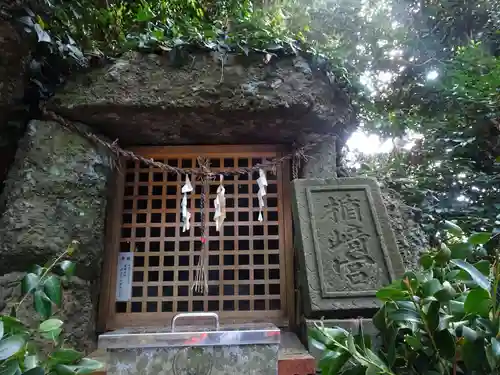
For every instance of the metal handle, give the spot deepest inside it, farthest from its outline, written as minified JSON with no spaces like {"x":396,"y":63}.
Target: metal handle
{"x":196,"y":315}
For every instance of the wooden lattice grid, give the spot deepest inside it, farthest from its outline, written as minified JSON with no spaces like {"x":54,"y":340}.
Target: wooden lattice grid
{"x":247,"y":264}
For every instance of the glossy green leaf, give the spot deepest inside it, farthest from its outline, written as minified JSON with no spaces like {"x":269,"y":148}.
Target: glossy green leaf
{"x":443,"y":255}
{"x":30,"y":361}
{"x":50,"y":325}
{"x":29,"y":283}
{"x":12,"y":325}
{"x":480,"y":238}
{"x":495,"y":347}
{"x":379,"y":319}
{"x":66,"y":356}
{"x":413,"y":342}
{"x":51,"y":335}
{"x":404,"y":315}
{"x":332,"y":361}
{"x":432,"y":315}
{"x":453,"y":228}
{"x":84,"y":367}
{"x":478,"y":302}
{"x":53,"y":290}
{"x":431,"y":287}
{"x":1,"y":329}
{"x":409,"y":281}
{"x":372,"y":370}
{"x":43,"y":305}
{"x":11,"y":345}
{"x":37,"y":270}
{"x":457,"y":308}
{"x":391,"y":294}
{"x":445,"y":294}
{"x":474,"y":355}
{"x":35,"y":371}
{"x":10,"y":367}
{"x":469,"y":333}
{"x":445,"y":342}
{"x":426,"y":261}
{"x":477,"y":276}
{"x":461,"y":250}
{"x":67,"y":267}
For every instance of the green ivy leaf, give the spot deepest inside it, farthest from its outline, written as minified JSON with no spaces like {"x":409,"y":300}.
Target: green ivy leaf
{"x":29,"y":283}
{"x":53,"y":290}
{"x":66,"y":356}
{"x":50,"y":325}
{"x":43,"y":305}
{"x":480,"y":238}
{"x":11,"y":346}
{"x":37,"y":270}
{"x":12,"y":325}
{"x":477,"y":276}
{"x":67,"y":267}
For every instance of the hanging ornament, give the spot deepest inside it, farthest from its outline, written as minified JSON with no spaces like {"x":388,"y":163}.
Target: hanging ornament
{"x":220,"y":206}
{"x":262,"y":182}
{"x":186,"y":215}
{"x":200,"y":284}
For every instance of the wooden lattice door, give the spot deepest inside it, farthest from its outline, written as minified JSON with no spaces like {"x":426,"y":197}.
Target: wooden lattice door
{"x":249,"y":262}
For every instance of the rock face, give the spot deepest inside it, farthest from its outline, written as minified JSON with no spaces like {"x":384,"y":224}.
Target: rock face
{"x":145,"y":100}
{"x":55,"y":193}
{"x":77,"y":311}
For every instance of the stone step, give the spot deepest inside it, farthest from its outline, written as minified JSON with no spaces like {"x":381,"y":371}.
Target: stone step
{"x":293,"y":357}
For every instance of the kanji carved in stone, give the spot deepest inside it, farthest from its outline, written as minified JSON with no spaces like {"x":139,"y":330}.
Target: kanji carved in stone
{"x":346,"y":247}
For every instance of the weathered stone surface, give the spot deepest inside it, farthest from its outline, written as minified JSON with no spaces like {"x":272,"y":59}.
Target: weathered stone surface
{"x":322,"y":159}
{"x":346,"y":247}
{"x":77,"y":311}
{"x":410,"y":237}
{"x":55,"y":193}
{"x":144,"y":99}
{"x":12,"y":58}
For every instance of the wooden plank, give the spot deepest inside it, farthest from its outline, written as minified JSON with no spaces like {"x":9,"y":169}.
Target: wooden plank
{"x":108,"y":272}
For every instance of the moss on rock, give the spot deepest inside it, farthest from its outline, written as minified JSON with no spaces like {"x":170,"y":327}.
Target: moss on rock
{"x":55,"y":193}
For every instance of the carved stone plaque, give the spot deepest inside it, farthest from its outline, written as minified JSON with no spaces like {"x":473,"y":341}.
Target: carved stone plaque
{"x":346,"y":247}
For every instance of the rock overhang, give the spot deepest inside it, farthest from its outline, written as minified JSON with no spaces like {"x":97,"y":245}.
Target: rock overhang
{"x":146,"y":100}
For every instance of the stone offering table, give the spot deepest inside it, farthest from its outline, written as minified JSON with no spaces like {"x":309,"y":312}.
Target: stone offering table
{"x":248,"y":349}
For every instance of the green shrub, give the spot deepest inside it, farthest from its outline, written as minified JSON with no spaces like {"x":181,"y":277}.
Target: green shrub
{"x":442,"y":319}
{"x":20,"y":351}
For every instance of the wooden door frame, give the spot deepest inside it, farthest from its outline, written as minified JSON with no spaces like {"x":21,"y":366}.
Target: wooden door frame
{"x":106,"y":312}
